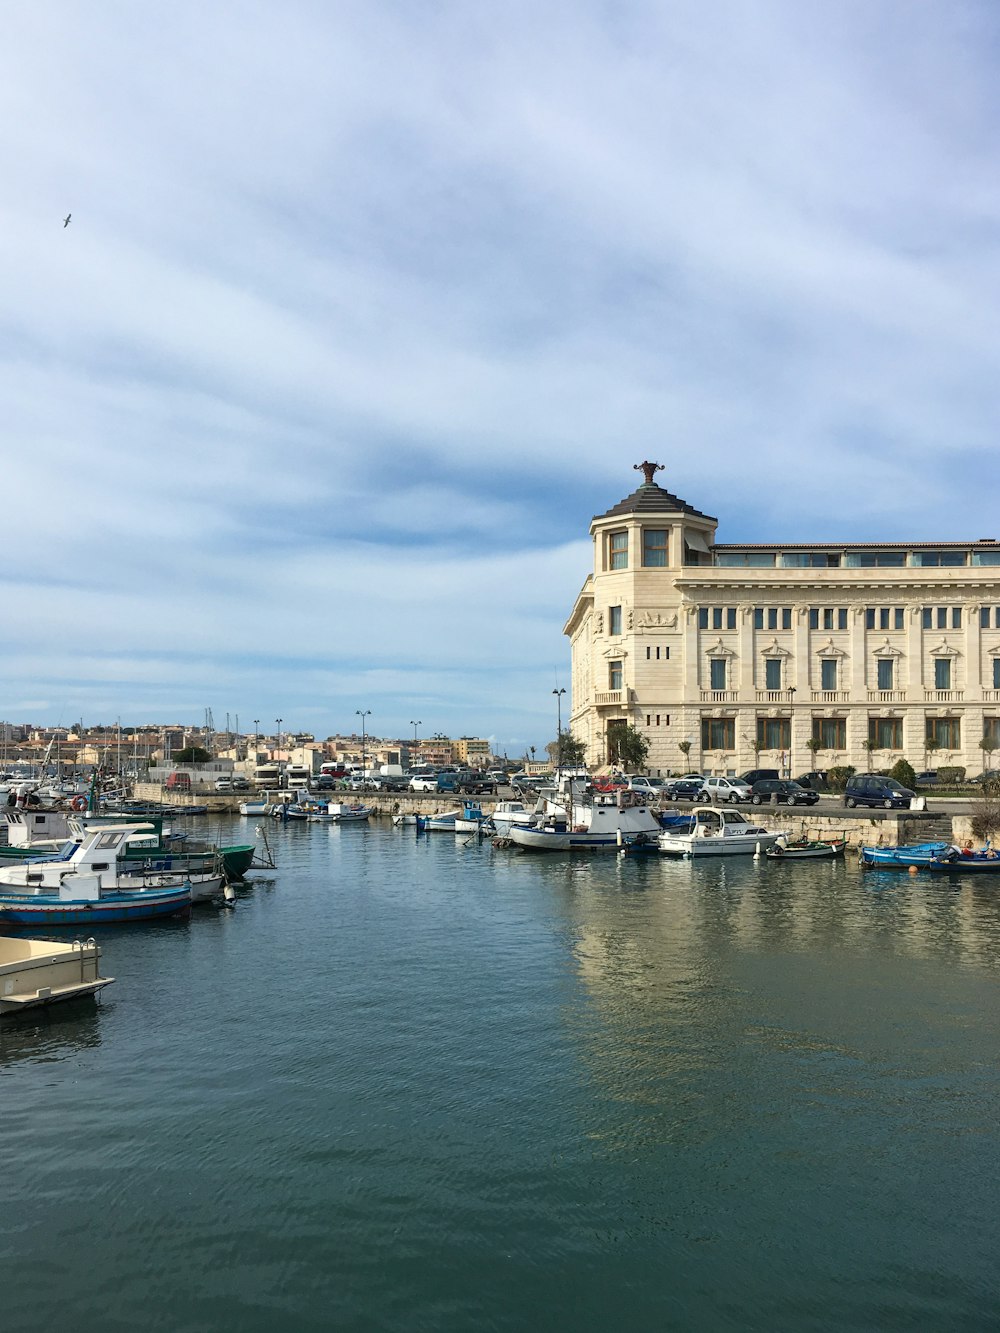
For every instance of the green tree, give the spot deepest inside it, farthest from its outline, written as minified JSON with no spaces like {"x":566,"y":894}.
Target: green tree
{"x":632,"y":748}
{"x":869,"y":746}
{"x":194,"y":754}
{"x":812,"y":745}
{"x":567,"y":750}
{"x":902,"y":771}
{"x":987,"y":745}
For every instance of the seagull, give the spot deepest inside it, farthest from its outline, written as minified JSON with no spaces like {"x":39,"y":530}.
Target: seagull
{"x":66,"y":219}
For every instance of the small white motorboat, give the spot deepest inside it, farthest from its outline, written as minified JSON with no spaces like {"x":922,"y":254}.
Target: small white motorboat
{"x":253,"y":807}
{"x":717,"y":832}
{"x":506,"y":813}
{"x":340,"y":812}
{"x":39,"y":972}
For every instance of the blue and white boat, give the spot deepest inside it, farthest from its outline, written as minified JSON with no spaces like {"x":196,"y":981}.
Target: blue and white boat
{"x":920,"y":854}
{"x":604,"y":823}
{"x":470,"y":819}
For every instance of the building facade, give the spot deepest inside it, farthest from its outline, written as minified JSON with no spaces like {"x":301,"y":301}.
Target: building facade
{"x":784,"y":655}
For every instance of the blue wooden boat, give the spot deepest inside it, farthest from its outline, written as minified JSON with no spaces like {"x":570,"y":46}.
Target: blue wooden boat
{"x":986,"y":861}
{"x":920,"y":854}
{"x":107,"y":907}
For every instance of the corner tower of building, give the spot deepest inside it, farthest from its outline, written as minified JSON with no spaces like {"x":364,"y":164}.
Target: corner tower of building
{"x":626,"y":626}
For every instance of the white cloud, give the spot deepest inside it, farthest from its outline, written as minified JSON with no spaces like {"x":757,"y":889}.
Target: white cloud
{"x":364,"y":311}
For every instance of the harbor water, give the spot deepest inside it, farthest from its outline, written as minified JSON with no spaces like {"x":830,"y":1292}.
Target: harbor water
{"x":417,"y":1083}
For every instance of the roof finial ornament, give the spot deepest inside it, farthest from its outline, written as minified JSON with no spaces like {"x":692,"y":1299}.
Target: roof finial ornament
{"x":647,"y":469}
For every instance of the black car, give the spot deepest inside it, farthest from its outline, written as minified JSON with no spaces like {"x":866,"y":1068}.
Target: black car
{"x":874,"y":789}
{"x":758,"y":775}
{"x":782,"y":791}
{"x":816,"y":779}
{"x":684,"y":789}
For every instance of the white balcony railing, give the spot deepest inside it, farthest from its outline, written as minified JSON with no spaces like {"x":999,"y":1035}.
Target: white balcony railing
{"x":720,"y":696}
{"x":831,"y":696}
{"x":609,"y":698}
{"x":775,"y":696}
{"x":991,"y":696}
{"x":887,"y":696}
{"x":943,"y":696}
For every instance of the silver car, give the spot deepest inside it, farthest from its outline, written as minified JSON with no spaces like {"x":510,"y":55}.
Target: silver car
{"x":730,"y":790}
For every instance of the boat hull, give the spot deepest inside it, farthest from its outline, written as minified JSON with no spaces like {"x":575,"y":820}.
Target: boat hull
{"x":696,"y":847}
{"x":548,"y":840}
{"x":921,"y":855}
{"x":110,"y":909}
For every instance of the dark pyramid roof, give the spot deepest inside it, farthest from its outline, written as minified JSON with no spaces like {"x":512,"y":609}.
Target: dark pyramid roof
{"x":653,"y":499}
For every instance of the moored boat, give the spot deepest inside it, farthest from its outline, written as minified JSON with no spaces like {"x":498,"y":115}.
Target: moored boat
{"x":807,"y":849}
{"x":603,"y":823}
{"x":471,"y":819}
{"x":42,"y":972}
{"x":918,"y":854}
{"x":717,"y":832}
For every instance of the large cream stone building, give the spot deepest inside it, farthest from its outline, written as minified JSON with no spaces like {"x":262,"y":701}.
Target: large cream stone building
{"x":787,"y":655}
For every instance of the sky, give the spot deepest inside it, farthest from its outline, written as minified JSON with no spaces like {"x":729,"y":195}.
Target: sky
{"x":366,"y":308}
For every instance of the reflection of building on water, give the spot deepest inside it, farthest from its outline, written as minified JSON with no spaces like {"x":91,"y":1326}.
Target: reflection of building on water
{"x":710,"y":985}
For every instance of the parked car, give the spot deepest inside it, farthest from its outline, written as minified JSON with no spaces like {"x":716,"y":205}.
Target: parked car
{"x":685,"y":789}
{"x":929,"y":777}
{"x":988,"y":775}
{"x":873,"y":789}
{"x":727,"y":789}
{"x":652,"y":787}
{"x":758,"y":775}
{"x":782,"y":791}
{"x":424,"y":782}
{"x":223,"y":784}
{"x":815,"y":778}
{"x":364,"y":784}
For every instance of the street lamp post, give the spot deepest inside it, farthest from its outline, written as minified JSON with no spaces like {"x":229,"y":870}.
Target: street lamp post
{"x":256,"y":732}
{"x":559,"y":694}
{"x":278,"y":722}
{"x":363,"y":713}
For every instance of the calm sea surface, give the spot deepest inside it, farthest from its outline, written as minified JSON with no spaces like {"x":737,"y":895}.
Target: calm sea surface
{"x":414,"y":1084}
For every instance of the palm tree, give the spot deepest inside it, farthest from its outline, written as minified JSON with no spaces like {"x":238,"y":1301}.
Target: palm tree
{"x":869,"y":746}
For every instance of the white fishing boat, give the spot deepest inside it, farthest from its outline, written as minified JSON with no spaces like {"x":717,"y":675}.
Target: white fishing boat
{"x":507,"y":813}
{"x":470,"y":819}
{"x":717,"y":832}
{"x":604,"y":822}
{"x":253,"y":807}
{"x":40,"y":972}
{"x":441,"y":822}
{"x":339,"y":812}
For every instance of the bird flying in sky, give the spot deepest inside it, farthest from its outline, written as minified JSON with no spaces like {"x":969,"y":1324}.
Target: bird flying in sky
{"x":66,"y":219}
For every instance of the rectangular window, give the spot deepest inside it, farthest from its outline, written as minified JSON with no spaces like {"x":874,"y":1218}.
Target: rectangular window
{"x":814,"y":617}
{"x":926,"y":558}
{"x":703,"y":617}
{"x":772,"y":617}
{"x":991,"y":732}
{"x":648,"y":720}
{"x":942,"y":673}
{"x":897,"y":618}
{"x":996,"y":673}
{"x":786,"y":617}
{"x":828,"y":618}
{"x":842,"y":618}
{"x":831,"y":732}
{"x":984,"y":618}
{"x":717,"y":617}
{"x":654,"y":548}
{"x":956,"y":617}
{"x":884,"y":669}
{"x":942,"y":617}
{"x":614,"y":675}
{"x":773,"y":733}
{"x":875,"y":559}
{"x":758,"y":617}
{"x":657,"y":654}
{"x":619,"y":550}
{"x":886,"y":733}
{"x":926,"y":618}
{"x":869,"y":617}
{"x":730,"y":617}
{"x":883,"y":617}
{"x":745,"y":559}
{"x":717,"y":670}
{"x":772,"y":673}
{"x":947,"y":731}
{"x":986,"y":557}
{"x":614,"y":620}
{"x":649,"y":653}
{"x":828,"y":673}
{"x":718,"y":733}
